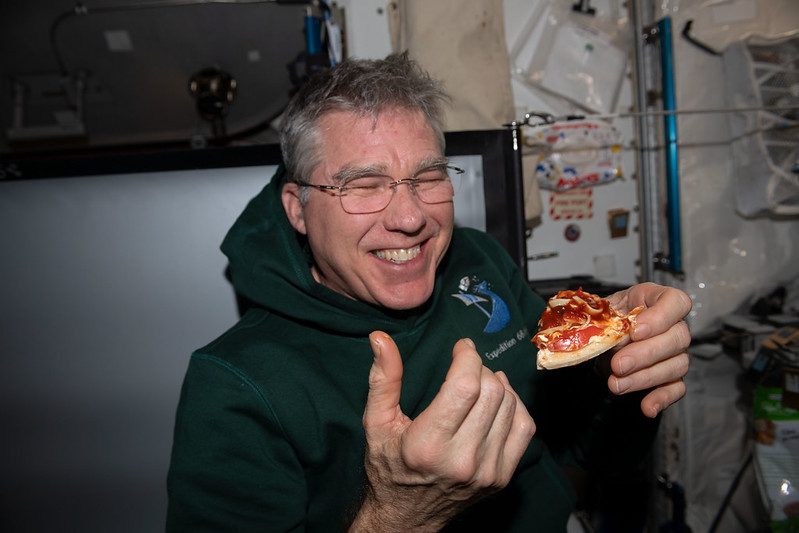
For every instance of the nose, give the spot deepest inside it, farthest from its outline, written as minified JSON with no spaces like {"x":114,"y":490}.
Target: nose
{"x":404,"y":212}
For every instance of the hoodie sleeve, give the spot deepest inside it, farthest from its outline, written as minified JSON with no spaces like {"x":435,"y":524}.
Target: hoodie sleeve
{"x":231,"y":469}
{"x":590,"y":428}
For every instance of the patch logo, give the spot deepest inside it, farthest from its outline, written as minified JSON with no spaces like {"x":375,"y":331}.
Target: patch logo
{"x":475,"y":293}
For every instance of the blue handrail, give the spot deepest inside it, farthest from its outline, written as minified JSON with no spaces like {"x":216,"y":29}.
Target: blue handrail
{"x":670,"y":138}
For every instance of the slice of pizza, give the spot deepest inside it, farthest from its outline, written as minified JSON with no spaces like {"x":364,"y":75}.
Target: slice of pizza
{"x":577,"y":326}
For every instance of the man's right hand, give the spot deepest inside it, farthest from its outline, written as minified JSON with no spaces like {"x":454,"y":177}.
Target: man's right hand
{"x":464,"y":446}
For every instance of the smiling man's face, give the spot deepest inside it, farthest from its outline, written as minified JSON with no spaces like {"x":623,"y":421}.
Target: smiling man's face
{"x":388,"y":258}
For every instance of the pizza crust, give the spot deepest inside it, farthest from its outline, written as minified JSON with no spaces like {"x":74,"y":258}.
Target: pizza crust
{"x":549,"y":360}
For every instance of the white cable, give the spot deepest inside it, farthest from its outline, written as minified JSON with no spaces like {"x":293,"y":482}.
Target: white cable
{"x":692,"y":111}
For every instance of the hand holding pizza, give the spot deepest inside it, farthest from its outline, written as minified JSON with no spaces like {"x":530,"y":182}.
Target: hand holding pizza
{"x":656,"y":358}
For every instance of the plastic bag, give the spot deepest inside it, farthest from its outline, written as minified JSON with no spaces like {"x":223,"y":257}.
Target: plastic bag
{"x":574,"y":153}
{"x":579,"y":57}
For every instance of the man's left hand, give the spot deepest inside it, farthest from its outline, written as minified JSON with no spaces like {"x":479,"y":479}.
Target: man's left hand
{"x":656,"y":358}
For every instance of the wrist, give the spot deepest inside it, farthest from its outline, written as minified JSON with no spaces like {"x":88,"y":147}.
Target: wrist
{"x":374,"y":517}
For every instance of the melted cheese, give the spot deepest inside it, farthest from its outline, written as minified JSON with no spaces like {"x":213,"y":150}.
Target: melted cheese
{"x":571,"y":311}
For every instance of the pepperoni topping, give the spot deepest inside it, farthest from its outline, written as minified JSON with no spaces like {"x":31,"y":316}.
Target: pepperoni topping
{"x":576,"y":307}
{"x":572,"y":318}
{"x":572,"y":339}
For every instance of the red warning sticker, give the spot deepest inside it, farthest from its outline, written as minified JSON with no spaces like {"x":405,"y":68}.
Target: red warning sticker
{"x":574,"y":204}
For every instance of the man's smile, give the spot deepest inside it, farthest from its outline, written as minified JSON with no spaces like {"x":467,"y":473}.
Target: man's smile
{"x":399,"y":255}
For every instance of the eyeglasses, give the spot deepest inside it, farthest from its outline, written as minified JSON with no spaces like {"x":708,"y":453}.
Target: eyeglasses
{"x":370,"y":194}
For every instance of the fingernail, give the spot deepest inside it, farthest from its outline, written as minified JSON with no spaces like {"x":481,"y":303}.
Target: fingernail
{"x":624,"y":365}
{"x":655,"y":410}
{"x":373,"y":339}
{"x":623,"y":384}
{"x":470,"y":343}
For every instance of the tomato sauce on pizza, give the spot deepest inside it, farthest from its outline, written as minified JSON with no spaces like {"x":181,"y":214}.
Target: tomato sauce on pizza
{"x":577,"y":326}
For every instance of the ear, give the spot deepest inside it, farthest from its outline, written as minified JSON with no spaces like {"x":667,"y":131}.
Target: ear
{"x":290,"y":196}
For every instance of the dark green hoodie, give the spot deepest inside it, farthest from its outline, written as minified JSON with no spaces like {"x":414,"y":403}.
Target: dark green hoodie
{"x":268,"y":434}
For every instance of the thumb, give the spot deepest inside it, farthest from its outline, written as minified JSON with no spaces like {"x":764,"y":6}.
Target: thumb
{"x":385,"y":382}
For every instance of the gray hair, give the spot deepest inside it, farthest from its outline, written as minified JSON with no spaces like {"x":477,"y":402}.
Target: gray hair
{"x":361,"y":86}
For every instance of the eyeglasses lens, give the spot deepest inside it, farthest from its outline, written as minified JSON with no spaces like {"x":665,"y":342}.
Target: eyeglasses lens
{"x":369,"y":195}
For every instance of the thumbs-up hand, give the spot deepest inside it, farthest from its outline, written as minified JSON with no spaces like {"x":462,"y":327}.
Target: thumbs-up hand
{"x":464,"y":446}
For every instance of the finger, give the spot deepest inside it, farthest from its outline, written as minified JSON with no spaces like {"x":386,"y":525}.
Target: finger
{"x":672,"y":369}
{"x":487,"y":420}
{"x":512,"y":419}
{"x":435,"y":436}
{"x":385,"y":383}
{"x":495,"y":460}
{"x":663,"y":307}
{"x":521,"y":431}
{"x":635,"y":356}
{"x":494,"y":435}
{"x":458,"y":394}
{"x":662,"y":397}
{"x":465,"y":359}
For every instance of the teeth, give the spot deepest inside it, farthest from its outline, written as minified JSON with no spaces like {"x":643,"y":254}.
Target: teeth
{"x":400,"y":255}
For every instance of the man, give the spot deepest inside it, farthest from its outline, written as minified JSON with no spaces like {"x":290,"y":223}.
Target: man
{"x":359,"y":392}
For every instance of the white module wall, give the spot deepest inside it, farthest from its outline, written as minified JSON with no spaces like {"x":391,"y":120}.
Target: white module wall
{"x":592,"y":251}
{"x":558,"y":246}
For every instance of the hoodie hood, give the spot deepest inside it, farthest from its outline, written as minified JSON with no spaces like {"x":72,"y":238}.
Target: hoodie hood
{"x":271,"y":267}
